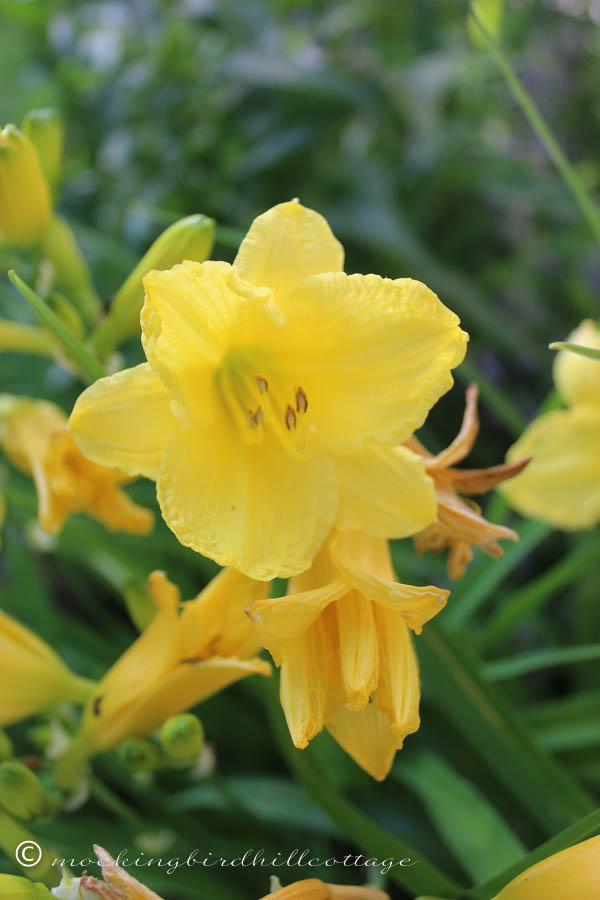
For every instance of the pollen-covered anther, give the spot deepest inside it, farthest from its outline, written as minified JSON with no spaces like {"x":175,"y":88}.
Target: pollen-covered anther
{"x":301,"y":401}
{"x":263,"y":384}
{"x":256,"y":418}
{"x":290,"y":418}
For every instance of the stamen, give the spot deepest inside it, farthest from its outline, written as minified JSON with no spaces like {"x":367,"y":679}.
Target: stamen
{"x":255,"y":418}
{"x":301,"y":400}
{"x":290,"y":418}
{"x":263,"y":384}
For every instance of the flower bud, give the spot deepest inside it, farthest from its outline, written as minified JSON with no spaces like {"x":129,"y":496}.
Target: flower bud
{"x":191,"y":238}
{"x":139,"y":756}
{"x":22,"y":794}
{"x":6,"y":747}
{"x":45,"y":130}
{"x":140,"y":603}
{"x":14,"y":887}
{"x":60,"y":246}
{"x":25,"y":206}
{"x":182,"y":737}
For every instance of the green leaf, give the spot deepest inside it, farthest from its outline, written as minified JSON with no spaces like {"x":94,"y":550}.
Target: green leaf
{"x":78,"y":351}
{"x":589,"y":352}
{"x":499,"y":669}
{"x":479,"y":711}
{"x":477,"y":835}
{"x":570,"y":723}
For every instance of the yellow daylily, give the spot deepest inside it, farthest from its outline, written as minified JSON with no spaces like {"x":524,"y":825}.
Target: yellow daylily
{"x":273,"y":393}
{"x":314,"y":889}
{"x":562,"y":483}
{"x":188,"y":652}
{"x":342,"y":639}
{"x":32,"y":676}
{"x":572,"y":874}
{"x":25,"y":204}
{"x":36,"y":440}
{"x":459,"y":525}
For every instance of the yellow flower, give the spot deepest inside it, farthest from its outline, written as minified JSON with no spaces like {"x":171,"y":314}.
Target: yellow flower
{"x":459,"y":524}
{"x":572,"y":874}
{"x":342,"y":639}
{"x":32,"y":677}
{"x":25,"y":206}
{"x":187,"y":653}
{"x":35,"y":438}
{"x":562,"y":483}
{"x":273,"y":392}
{"x":313,"y":889}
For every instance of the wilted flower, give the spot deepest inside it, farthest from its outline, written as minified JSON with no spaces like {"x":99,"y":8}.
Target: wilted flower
{"x":25,"y":205}
{"x":342,"y":639}
{"x":274,"y":392}
{"x":35,"y":438}
{"x":562,"y":482}
{"x":459,"y":525}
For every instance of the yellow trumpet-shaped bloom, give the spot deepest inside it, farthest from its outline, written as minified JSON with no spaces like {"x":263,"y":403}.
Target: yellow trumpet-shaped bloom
{"x":314,"y":889}
{"x":562,"y":483}
{"x":459,"y":525}
{"x":274,"y":391}
{"x":572,"y":874}
{"x":25,"y":205}
{"x":342,"y":639}
{"x":36,"y":440}
{"x":188,"y":652}
{"x":32,"y":676}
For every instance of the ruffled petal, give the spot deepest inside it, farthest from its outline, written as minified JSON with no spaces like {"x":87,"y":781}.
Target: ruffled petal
{"x":562,"y":482}
{"x":285,"y":245}
{"x":385,"y":492}
{"x":250,"y":507}
{"x":577,"y":378}
{"x":124,"y":421}
{"x":359,"y":654}
{"x":372,"y":356}
{"x":367,"y":737}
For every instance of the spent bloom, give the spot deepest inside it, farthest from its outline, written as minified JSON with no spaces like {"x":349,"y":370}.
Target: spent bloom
{"x":562,"y":483}
{"x":32,"y":676}
{"x":36,"y":440}
{"x":188,"y":652}
{"x":274,"y":392}
{"x":25,"y":204}
{"x":342,"y":639}
{"x":459,"y":524}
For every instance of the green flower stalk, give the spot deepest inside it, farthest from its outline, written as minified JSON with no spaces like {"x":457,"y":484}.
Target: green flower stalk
{"x":59,"y":245}
{"x":25,"y":204}
{"x":37,"y":861}
{"x":191,"y":238}
{"x":45,"y":130}
{"x":22,"y":793}
{"x":6,"y":747}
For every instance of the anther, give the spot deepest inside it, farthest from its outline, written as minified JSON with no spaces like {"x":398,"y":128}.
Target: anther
{"x":301,"y":401}
{"x":255,"y":418}
{"x":263,"y":384}
{"x":290,"y":418}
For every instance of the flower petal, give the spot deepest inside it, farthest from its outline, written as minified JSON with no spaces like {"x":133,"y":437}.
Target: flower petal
{"x":561,"y":484}
{"x":578,"y":379}
{"x":359,"y":654}
{"x":251,"y":507}
{"x":285,"y":245}
{"x":399,"y":691}
{"x":572,"y":873}
{"x":367,"y":737}
{"x":385,"y":492}
{"x":372,"y":356}
{"x":304,"y":684}
{"x":124,"y":421}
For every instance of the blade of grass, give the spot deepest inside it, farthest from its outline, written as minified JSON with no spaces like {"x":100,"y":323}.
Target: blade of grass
{"x":500,"y":669}
{"x":78,"y":351}
{"x":479,"y":711}
{"x":520,"y":605}
{"x":586,"y":827}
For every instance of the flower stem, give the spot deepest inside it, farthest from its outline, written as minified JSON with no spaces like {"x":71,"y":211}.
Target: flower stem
{"x":371,"y":838}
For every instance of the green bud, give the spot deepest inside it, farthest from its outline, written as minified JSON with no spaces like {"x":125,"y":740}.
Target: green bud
{"x":14,"y":887}
{"x":45,"y":130}
{"x":59,"y":245}
{"x":485,"y":19}
{"x":25,"y":205}
{"x":22,"y":794}
{"x":140,"y":603}
{"x":191,"y":238}
{"x":182,"y":737}
{"x":139,"y":755}
{"x":6,"y":747}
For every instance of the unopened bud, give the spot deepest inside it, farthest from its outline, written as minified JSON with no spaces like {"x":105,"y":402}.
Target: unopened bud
{"x":59,"y":245}
{"x":22,"y":794}
{"x":182,"y":737}
{"x":139,"y":756}
{"x":45,"y":130}
{"x":14,"y":887}
{"x":25,"y":205}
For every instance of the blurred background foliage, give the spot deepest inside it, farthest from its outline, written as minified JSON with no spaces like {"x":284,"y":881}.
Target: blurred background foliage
{"x":383,"y":117}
